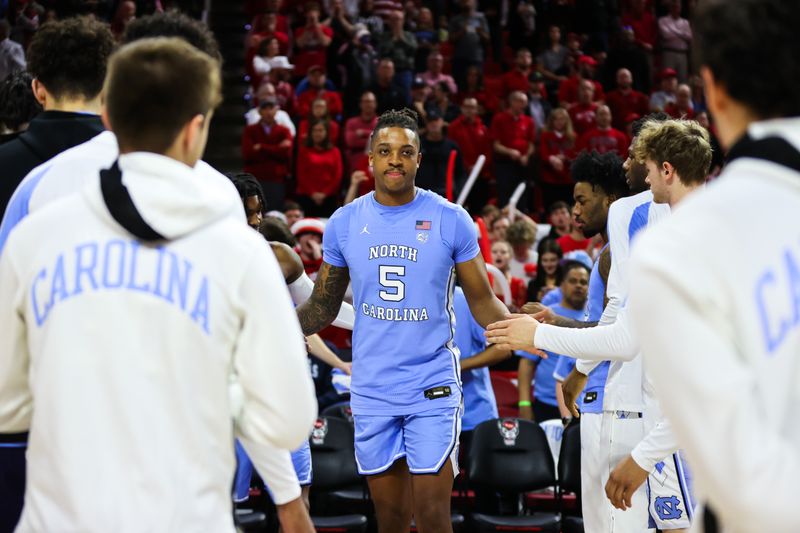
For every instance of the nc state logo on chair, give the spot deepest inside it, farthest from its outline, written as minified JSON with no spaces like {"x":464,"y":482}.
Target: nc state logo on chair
{"x":319,"y":431}
{"x":509,"y":430}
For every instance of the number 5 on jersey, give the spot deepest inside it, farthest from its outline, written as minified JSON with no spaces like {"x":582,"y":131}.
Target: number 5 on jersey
{"x":394,"y":289}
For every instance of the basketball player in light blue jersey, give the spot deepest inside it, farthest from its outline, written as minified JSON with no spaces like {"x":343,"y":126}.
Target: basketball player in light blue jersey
{"x":402,"y":247}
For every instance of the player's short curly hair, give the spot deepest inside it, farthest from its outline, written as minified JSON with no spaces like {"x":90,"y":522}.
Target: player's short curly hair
{"x":683,"y":143}
{"x":751,"y":48}
{"x":601,"y":170}
{"x":402,"y":118}
{"x":69,"y":56}
{"x":17,"y":103}
{"x":174,"y":24}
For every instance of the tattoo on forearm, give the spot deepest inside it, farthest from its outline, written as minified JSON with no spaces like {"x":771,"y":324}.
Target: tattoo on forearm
{"x":323,"y":306}
{"x":565,"y":322}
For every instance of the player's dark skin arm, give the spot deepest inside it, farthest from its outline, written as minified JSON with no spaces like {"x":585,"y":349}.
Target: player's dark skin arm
{"x":490,"y":356}
{"x":290,"y":263}
{"x":483,"y":304}
{"x":319,"y":311}
{"x":543,"y":314}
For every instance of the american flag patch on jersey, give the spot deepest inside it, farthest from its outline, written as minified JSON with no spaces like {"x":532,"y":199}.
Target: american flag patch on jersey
{"x":423,"y":224}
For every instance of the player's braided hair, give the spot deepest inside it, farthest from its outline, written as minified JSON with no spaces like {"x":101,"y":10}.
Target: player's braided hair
{"x":601,"y":170}
{"x":397,"y":118}
{"x":247,"y":185}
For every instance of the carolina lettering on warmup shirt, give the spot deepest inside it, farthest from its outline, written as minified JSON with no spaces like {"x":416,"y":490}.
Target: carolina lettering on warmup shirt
{"x":121,"y":265}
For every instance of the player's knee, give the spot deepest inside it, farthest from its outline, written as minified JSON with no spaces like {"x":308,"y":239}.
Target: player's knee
{"x":432,"y":514}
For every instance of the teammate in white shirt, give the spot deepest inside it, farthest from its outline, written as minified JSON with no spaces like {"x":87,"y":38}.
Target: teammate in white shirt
{"x":677,"y":155}
{"x":128,"y":308}
{"x":714,"y":290}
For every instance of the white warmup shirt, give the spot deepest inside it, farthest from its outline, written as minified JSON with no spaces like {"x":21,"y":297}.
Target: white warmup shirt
{"x":118,"y":356}
{"x":715,"y":298}
{"x":627,"y":387}
{"x":68,"y":172}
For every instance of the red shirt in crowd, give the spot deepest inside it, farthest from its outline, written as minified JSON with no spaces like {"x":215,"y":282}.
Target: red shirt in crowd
{"x":568,"y":244}
{"x":513,"y":132}
{"x":356,"y":136}
{"x":333,"y":131}
{"x":568,"y":91}
{"x":514,"y":80}
{"x":584,"y":117}
{"x":306,"y":98}
{"x":263,"y":155}
{"x":555,"y":143}
{"x":519,"y":292}
{"x":623,"y":104}
{"x":310,"y":55}
{"x":602,"y":141}
{"x":472,"y":139}
{"x":672,"y":110}
{"x":318,"y":171}
{"x":645,"y":28}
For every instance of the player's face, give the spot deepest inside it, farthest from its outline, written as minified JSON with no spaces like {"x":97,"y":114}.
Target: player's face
{"x":253,"y":208}
{"x":549,"y":263}
{"x":501,"y":255}
{"x":635,"y":173}
{"x":394,"y":159}
{"x":657,"y":180}
{"x":575,"y":288}
{"x":591,"y":208}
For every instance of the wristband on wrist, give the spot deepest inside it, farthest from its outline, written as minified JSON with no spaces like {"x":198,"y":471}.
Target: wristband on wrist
{"x":524,"y":403}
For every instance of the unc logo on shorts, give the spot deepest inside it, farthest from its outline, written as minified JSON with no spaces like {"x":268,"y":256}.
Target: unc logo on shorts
{"x":319,"y":431}
{"x":668,"y":508}
{"x":509,"y":430}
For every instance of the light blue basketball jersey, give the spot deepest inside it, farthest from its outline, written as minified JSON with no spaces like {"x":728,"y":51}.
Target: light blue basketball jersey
{"x":479,"y":400}
{"x":544,"y":389}
{"x":402,"y":268}
{"x":596,"y":384}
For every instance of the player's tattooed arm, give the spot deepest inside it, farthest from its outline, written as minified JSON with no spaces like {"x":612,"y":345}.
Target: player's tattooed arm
{"x":321,"y":308}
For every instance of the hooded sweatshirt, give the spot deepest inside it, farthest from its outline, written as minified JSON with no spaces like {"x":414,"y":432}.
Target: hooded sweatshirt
{"x":134,"y":364}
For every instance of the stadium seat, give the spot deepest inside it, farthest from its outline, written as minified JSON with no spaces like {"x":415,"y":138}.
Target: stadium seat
{"x":569,"y":475}
{"x":511,"y":457}
{"x":334,"y":465}
{"x":506,"y":395}
{"x":339,"y":410}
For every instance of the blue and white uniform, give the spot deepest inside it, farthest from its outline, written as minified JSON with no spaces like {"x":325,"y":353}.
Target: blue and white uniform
{"x":479,"y":401}
{"x":406,"y":386}
{"x":629,"y":394}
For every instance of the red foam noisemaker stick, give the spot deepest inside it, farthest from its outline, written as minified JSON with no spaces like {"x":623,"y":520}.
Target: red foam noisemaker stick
{"x":451,"y":165}
{"x":483,"y":240}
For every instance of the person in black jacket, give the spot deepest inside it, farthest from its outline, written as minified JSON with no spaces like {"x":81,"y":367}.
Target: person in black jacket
{"x":67,"y":60}
{"x":435,"y":149}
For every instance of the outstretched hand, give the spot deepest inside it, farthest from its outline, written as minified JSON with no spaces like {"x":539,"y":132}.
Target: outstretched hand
{"x":543,"y":314}
{"x":514,"y":333}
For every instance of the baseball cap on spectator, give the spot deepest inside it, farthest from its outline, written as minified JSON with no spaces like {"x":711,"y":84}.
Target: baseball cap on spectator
{"x":667,"y":73}
{"x":361,"y":31}
{"x":579,"y":256}
{"x":587,"y":60}
{"x":418,"y":83}
{"x":316,"y":68}
{"x":280,"y":62}
{"x":308,"y":225}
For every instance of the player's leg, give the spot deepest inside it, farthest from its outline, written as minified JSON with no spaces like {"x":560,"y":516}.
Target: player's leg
{"x":671,"y":503}
{"x":431,"y":440}
{"x":301,"y":460}
{"x":627,"y":430}
{"x":391,"y":494}
{"x":594,"y":462}
{"x":380,"y":455}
